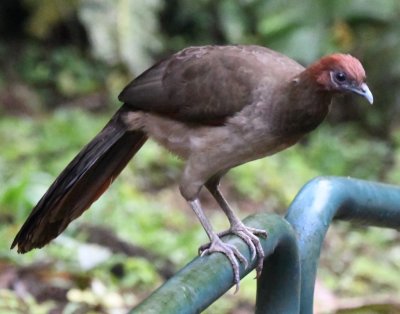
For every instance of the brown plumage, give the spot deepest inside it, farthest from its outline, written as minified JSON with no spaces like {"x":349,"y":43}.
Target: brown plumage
{"x":216,"y":107}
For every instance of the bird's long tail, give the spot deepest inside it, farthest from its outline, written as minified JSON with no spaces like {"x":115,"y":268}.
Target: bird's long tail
{"x":81,"y":183}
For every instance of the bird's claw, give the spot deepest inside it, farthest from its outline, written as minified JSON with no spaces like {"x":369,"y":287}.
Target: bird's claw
{"x":230,"y":251}
{"x":248,"y":235}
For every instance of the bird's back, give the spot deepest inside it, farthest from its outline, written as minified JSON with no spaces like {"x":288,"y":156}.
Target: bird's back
{"x":209,"y":83}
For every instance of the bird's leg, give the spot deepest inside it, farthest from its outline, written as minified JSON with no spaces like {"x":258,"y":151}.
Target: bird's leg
{"x":237,"y":227}
{"x":217,"y":245}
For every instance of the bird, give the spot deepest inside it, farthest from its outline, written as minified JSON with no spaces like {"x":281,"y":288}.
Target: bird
{"x":216,"y":107}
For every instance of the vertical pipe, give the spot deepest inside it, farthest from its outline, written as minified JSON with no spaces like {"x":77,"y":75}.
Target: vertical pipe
{"x":326,"y":198}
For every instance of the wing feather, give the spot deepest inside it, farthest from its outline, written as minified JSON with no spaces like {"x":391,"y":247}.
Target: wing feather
{"x":199,"y":84}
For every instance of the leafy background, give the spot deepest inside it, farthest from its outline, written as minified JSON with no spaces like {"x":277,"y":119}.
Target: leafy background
{"x":63,"y":64}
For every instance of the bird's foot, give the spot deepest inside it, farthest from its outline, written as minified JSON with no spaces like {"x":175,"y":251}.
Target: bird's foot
{"x":249,"y":236}
{"x":230,"y":251}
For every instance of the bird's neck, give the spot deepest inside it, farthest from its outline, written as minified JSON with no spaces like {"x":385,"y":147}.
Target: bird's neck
{"x":308,"y":106}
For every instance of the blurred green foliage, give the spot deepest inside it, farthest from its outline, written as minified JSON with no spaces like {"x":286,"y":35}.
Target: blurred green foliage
{"x":60,"y":58}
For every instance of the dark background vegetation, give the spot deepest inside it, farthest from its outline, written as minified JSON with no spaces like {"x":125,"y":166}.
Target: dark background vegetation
{"x":63,"y":64}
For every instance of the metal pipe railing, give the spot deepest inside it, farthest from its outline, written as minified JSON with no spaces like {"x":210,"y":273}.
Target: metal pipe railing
{"x":292,"y":251}
{"x":326,"y":198}
{"x":206,"y":278}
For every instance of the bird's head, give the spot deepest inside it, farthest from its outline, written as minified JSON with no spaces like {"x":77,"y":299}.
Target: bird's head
{"x":341,"y":73}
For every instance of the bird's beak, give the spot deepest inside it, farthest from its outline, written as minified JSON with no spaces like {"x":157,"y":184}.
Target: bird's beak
{"x":364,"y":91}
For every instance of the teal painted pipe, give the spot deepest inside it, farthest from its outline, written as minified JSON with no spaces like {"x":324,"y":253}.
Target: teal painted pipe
{"x":206,"y":278}
{"x":326,"y":198}
{"x":278,"y":288}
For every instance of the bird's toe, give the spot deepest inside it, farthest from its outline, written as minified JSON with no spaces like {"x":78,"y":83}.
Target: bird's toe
{"x":248,"y":235}
{"x":231,"y":252}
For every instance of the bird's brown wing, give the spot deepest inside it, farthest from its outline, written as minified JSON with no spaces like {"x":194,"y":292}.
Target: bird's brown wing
{"x":199,"y":84}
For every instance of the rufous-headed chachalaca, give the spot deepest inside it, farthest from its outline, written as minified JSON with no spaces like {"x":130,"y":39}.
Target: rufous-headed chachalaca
{"x":216,"y":107}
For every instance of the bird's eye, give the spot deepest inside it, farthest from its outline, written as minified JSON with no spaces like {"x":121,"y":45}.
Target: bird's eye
{"x":340,"y":77}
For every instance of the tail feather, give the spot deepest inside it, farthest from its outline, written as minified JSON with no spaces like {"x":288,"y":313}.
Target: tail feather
{"x":81,"y":183}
